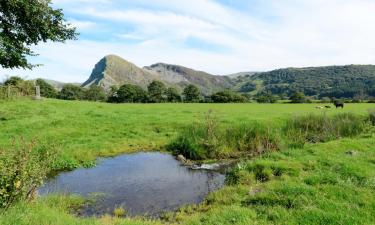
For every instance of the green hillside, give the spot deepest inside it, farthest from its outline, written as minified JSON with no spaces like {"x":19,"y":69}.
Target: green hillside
{"x":330,"y":81}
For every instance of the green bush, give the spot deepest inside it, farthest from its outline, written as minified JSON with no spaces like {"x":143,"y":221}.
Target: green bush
{"x":22,"y":170}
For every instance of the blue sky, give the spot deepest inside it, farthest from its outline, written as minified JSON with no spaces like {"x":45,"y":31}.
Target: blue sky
{"x":217,"y":36}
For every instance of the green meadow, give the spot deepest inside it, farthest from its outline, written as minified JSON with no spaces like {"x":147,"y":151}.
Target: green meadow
{"x":321,"y":183}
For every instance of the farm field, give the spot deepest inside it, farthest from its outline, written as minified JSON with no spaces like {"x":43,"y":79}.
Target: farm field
{"x":323,"y":183}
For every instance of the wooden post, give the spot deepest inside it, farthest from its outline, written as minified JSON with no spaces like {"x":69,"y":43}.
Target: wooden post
{"x":8,"y":95}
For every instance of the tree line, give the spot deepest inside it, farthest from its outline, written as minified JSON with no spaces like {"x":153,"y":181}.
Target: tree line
{"x":156,"y":92}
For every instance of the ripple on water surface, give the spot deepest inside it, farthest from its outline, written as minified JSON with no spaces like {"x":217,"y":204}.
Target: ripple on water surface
{"x":142,"y":183}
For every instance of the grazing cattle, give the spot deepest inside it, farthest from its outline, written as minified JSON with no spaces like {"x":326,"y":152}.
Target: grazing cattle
{"x":339,"y":105}
{"x":319,"y":107}
{"x":327,"y":107}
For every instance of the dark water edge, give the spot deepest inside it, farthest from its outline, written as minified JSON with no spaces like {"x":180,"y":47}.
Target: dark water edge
{"x":144,"y":184}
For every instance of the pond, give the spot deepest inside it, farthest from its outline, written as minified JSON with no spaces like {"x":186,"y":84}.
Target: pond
{"x":142,"y":183}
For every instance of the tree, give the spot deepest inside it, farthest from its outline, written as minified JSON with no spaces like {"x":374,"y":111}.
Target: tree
{"x":14,"y":81}
{"x":248,"y":87}
{"x":173,"y":95}
{"x":266,"y":97}
{"x":26,"y":23}
{"x":298,"y":97}
{"x":227,"y":96}
{"x":156,"y":91}
{"x":191,"y":93}
{"x":112,"y":94}
{"x":72,"y":92}
{"x":95,"y":93}
{"x":46,"y":90}
{"x":131,"y":93}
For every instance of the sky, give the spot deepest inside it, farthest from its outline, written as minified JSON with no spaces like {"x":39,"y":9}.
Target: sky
{"x":216,"y":36}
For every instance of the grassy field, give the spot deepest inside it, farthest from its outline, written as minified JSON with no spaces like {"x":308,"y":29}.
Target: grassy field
{"x":325,"y":183}
{"x":86,"y":130}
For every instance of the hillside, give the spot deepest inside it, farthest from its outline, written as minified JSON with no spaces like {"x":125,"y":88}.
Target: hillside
{"x":183,"y":76}
{"x":330,"y":81}
{"x":113,"y":70}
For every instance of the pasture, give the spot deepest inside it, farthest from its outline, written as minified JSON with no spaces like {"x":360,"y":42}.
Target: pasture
{"x":324,"y":183}
{"x":85,"y":130}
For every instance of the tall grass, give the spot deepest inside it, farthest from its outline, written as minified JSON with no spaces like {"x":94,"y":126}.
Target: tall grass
{"x":209,"y":140}
{"x":313,"y":128}
{"x":371,"y":113}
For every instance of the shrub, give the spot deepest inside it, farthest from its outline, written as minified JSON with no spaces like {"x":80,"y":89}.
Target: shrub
{"x":298,"y":97}
{"x":119,"y":212}
{"x":227,"y":96}
{"x":95,"y":93}
{"x":23,"y":168}
{"x":72,"y":92}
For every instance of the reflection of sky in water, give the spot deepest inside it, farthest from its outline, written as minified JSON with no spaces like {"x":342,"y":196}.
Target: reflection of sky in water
{"x":143,"y":183}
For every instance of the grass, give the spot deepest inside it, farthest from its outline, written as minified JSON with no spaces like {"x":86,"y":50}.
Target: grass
{"x":322,"y":183}
{"x":85,"y":130}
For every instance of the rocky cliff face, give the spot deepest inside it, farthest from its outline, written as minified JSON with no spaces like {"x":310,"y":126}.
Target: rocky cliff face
{"x":113,"y":70}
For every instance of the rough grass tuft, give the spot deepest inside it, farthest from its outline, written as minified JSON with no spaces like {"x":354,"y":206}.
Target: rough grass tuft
{"x":313,"y":128}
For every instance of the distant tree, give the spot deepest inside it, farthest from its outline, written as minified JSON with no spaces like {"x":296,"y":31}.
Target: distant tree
{"x":112,"y":94}
{"x":131,"y":93}
{"x":191,"y":94}
{"x":227,"y":96}
{"x":14,"y":81}
{"x":173,"y":95}
{"x":248,"y":87}
{"x":72,"y":92}
{"x":266,"y":97}
{"x":26,"y":23}
{"x":46,"y":90}
{"x":326,"y":100}
{"x":95,"y":93}
{"x":156,"y":91}
{"x":298,"y":97}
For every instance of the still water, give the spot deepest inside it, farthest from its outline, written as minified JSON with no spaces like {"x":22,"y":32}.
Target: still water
{"x":141,"y":183}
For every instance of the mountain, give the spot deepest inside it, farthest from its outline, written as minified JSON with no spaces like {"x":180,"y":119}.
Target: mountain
{"x":328,"y":81}
{"x":57,"y":84}
{"x":182,"y":76}
{"x":113,"y":70}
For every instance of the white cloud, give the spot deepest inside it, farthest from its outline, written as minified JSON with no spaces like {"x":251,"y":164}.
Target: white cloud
{"x":279,"y":34}
{"x":81,"y":24}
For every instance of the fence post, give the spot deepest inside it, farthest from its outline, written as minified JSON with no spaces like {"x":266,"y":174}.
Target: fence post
{"x":9,"y":91}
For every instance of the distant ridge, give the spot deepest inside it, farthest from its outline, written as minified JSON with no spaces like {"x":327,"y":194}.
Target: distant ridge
{"x":113,"y":70}
{"x":330,"y":81}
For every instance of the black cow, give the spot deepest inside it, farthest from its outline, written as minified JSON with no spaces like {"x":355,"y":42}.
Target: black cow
{"x":339,"y":105}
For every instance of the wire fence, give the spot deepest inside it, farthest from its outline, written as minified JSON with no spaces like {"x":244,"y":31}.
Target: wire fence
{"x":11,"y":92}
